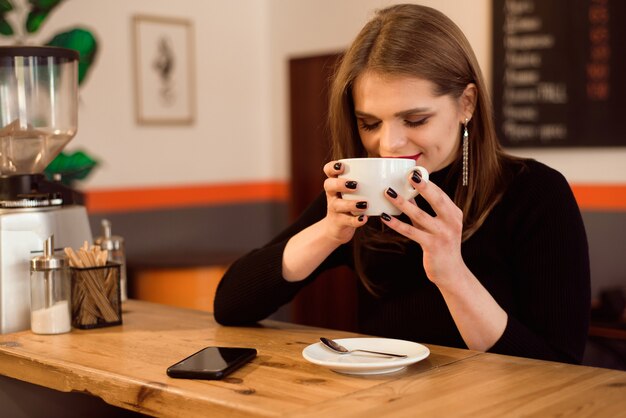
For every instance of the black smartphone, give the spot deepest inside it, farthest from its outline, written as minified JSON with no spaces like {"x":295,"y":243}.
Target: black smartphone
{"x":212,"y":363}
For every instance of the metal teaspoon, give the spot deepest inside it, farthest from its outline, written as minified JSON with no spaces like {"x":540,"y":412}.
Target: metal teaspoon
{"x":338,"y":348}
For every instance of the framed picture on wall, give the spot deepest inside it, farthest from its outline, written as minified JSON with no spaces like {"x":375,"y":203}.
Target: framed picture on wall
{"x":163,"y":53}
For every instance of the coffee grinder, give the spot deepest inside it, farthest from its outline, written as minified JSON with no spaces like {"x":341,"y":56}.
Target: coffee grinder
{"x":38,"y":117}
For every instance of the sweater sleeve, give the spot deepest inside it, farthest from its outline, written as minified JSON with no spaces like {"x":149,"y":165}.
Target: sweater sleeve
{"x":551,"y":266}
{"x":253,"y":287}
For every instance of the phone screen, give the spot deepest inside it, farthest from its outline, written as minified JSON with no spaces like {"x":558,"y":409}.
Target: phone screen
{"x":211,"y":363}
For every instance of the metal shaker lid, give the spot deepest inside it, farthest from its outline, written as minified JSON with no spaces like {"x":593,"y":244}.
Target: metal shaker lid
{"x":108,"y":241}
{"x":48,"y":261}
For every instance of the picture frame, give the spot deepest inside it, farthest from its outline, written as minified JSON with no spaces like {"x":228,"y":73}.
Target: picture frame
{"x":164,"y":73}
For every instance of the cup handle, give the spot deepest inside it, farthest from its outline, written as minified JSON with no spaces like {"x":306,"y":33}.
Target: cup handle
{"x":411,"y":193}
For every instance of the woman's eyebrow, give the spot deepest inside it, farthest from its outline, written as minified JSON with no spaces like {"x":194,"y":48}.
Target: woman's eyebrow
{"x":403,"y":113}
{"x":413,"y":111}
{"x":361,"y":114}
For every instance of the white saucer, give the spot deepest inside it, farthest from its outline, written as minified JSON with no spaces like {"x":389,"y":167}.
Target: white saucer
{"x":363,"y":363}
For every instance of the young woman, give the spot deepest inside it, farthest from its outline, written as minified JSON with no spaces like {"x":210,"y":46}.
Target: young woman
{"x":491,"y":256}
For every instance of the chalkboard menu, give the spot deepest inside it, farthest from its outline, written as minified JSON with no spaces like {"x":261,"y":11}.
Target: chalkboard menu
{"x":559,"y":72}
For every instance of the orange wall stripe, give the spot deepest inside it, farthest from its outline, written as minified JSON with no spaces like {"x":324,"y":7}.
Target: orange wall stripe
{"x":129,"y":200}
{"x":603,"y":197}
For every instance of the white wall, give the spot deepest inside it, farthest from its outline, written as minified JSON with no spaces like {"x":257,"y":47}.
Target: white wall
{"x":233,"y":112}
{"x":242,"y":50}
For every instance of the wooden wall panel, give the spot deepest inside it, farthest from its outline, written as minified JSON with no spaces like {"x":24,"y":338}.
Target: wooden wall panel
{"x":331,"y":300}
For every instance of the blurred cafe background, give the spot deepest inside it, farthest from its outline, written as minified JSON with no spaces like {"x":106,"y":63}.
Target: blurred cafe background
{"x":204,"y":123}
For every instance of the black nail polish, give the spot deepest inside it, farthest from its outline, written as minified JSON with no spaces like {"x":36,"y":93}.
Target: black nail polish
{"x":361,"y":218}
{"x":385,"y":216}
{"x":361,"y":205}
{"x":392,"y":193}
{"x":351,"y":184}
{"x":416,"y":177}
{"x":337,"y":166}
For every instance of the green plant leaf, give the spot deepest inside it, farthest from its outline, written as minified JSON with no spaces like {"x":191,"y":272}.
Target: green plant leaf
{"x":34,"y":20}
{"x":5,"y":27}
{"x":82,"y":41}
{"x":40,"y":9}
{"x":76,"y":166}
{"x":5,"y":6}
{"x":45,"y":4}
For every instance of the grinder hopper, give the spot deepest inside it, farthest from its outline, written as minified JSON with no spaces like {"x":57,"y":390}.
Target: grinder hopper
{"x":38,"y":106}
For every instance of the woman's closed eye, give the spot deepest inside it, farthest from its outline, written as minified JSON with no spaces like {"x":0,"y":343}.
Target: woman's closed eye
{"x":414,"y":123}
{"x":368,"y":125}
{"x":371,"y":125}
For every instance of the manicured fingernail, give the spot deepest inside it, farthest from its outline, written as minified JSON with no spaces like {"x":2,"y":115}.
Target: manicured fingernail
{"x":385,"y":216}
{"x":361,"y":205}
{"x":351,"y":184}
{"x":392,"y":193}
{"x":417,"y":176}
{"x":337,"y":166}
{"x":361,"y":217}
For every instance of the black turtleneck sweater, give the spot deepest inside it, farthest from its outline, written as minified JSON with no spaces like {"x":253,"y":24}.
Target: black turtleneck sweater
{"x":530,"y":254}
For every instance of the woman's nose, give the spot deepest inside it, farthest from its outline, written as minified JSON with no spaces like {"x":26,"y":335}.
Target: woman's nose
{"x":392,"y":140}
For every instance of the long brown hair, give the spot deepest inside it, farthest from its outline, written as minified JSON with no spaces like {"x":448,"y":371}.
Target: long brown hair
{"x":418,"y":41}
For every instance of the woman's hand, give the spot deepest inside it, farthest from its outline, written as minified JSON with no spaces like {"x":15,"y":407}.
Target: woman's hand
{"x":478,"y":317}
{"x":343,"y":216}
{"x":439,"y":236}
{"x":306,"y":250}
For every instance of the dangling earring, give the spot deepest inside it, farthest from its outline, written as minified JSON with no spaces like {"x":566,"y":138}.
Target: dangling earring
{"x":465,"y":152}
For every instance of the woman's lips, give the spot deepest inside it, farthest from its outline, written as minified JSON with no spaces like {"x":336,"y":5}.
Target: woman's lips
{"x":410,"y":157}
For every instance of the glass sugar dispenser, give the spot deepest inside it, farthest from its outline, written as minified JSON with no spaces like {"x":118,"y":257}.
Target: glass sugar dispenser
{"x":114,"y":244}
{"x":50,"y":310}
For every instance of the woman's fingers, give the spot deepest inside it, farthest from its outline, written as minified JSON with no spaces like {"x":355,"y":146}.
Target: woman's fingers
{"x":335,"y":187}
{"x":413,"y":233}
{"x":419,"y":218}
{"x":352,"y":211}
{"x":347,"y":206}
{"x":436,"y":198}
{"x":357,"y":221}
{"x":441,"y":230}
{"x":333,"y":168}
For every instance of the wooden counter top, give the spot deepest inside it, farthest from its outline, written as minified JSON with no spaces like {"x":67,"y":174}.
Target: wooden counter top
{"x":125,"y":366}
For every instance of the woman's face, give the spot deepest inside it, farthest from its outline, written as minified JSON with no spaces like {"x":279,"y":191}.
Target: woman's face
{"x":399,"y":116}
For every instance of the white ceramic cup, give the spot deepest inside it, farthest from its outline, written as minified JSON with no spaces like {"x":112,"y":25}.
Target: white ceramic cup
{"x":374,"y":176}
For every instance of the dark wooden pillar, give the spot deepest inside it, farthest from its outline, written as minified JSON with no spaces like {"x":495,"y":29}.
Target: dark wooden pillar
{"x":331,"y":300}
